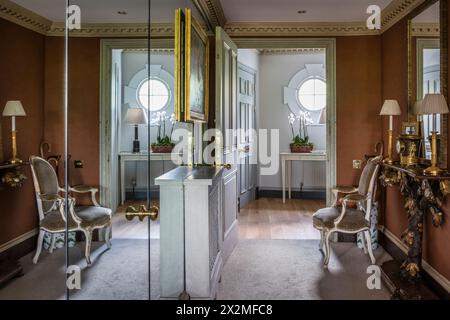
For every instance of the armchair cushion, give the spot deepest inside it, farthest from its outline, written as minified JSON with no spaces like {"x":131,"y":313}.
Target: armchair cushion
{"x":353,"y":219}
{"x":93,"y":217}
{"x":54,"y":222}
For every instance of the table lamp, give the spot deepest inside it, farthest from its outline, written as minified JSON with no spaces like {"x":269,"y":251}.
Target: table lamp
{"x":434,"y":104}
{"x":14,"y":109}
{"x":136,"y":117}
{"x":390,"y":108}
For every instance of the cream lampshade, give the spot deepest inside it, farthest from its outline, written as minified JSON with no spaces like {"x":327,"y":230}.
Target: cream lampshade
{"x":434,"y":104}
{"x":136,"y":117}
{"x":14,"y":109}
{"x":390,"y":108}
{"x":417,"y":108}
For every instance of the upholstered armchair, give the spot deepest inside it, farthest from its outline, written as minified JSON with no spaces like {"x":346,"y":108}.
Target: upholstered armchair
{"x":350,"y":220}
{"x":51,"y":209}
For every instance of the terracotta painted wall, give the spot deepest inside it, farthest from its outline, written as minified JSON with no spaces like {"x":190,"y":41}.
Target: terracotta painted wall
{"x":358,"y":102}
{"x":21,"y":78}
{"x":394,"y":84}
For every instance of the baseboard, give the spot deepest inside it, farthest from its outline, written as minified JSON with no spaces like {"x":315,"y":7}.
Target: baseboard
{"x":307,"y":194}
{"x":19,"y":246}
{"x":398,"y":250}
{"x":142,"y":194}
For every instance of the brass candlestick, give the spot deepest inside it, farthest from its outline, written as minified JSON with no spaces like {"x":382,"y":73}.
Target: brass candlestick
{"x":434,"y":170}
{"x":389,"y":159}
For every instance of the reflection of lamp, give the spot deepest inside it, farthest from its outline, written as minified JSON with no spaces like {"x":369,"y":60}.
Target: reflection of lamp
{"x":434,"y":104}
{"x":136,"y":116}
{"x":323,"y":116}
{"x":390,"y":108}
{"x":14,"y":109}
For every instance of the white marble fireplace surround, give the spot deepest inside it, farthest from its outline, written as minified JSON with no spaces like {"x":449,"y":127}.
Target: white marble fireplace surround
{"x":191,"y":197}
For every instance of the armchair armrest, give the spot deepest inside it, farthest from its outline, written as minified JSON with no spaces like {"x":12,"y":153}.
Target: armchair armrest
{"x":342,"y":189}
{"x":86,"y":189}
{"x":352,"y":198}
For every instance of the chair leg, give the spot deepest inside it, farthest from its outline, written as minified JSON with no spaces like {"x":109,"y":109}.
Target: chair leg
{"x":39,"y":246}
{"x":108,"y":237}
{"x":52,"y":243}
{"x":87,"y":252}
{"x":321,"y":239}
{"x":327,"y":249}
{"x":369,"y":245}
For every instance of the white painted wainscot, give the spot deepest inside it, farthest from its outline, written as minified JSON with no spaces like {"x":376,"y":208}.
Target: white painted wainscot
{"x":197,"y":193}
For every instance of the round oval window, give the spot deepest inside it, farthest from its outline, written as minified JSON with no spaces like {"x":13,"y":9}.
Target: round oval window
{"x":153,"y":94}
{"x":312,"y":94}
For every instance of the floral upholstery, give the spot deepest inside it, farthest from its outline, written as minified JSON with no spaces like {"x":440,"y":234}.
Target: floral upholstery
{"x":352,"y":221}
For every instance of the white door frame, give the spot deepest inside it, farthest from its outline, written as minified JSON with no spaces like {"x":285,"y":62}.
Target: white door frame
{"x":106,"y":190}
{"x":329,"y":44}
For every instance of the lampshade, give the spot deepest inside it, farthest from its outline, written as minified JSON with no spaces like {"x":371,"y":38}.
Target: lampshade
{"x":417,"y":108}
{"x":14,"y":109}
{"x":136,"y":116}
{"x":434,"y":104}
{"x":390,"y":108}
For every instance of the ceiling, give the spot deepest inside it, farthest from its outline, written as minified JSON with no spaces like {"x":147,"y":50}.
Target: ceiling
{"x":105,"y":11}
{"x":287,"y":10}
{"x":430,"y":15}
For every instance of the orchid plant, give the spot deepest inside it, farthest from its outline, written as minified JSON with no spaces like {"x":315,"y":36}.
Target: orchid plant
{"x":304,"y":120}
{"x":160,"y":121}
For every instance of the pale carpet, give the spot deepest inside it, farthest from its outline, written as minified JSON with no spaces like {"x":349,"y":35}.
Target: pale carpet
{"x":257,"y":269}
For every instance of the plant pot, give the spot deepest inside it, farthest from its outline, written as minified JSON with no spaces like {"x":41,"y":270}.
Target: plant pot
{"x":296,"y":148}
{"x":166,"y":148}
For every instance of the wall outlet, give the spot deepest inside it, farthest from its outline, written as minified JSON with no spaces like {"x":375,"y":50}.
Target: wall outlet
{"x":356,"y":164}
{"x":78,"y":164}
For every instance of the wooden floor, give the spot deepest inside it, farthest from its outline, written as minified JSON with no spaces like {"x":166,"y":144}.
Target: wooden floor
{"x":269,"y":218}
{"x":266,"y":218}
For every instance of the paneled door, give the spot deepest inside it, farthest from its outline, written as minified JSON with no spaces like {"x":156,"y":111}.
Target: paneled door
{"x":226,"y":100}
{"x":246,"y":116}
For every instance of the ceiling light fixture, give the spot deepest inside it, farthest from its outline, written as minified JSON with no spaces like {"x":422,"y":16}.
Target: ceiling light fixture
{"x":301,"y":11}
{"x":122,"y":12}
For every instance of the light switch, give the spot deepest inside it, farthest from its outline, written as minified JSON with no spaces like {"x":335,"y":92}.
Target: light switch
{"x":356,"y":164}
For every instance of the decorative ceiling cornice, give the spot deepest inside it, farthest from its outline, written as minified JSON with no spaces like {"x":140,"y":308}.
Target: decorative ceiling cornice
{"x":425,"y":30}
{"x":212,"y":12}
{"x":397,"y":10}
{"x":291,"y":51}
{"x":294,"y":29}
{"x":23,"y":17}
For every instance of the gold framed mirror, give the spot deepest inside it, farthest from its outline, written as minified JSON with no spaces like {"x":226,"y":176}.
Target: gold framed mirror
{"x":428,"y":69}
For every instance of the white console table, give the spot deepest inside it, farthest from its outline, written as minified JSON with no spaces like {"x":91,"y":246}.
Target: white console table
{"x":286,"y":166}
{"x":132,"y":157}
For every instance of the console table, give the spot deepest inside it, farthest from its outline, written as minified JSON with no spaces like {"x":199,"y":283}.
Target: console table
{"x":422,"y":194}
{"x":141,"y":156}
{"x":286,"y":166}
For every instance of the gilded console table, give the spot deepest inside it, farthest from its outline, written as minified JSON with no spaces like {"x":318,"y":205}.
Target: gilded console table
{"x":422,"y":194}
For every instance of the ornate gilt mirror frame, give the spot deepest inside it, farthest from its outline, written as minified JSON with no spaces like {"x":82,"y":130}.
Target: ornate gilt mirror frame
{"x":443,"y":39}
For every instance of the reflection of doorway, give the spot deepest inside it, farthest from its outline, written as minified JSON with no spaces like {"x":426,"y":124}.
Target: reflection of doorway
{"x":246,"y":123}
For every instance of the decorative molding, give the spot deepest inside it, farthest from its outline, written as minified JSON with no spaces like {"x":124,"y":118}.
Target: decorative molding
{"x":291,"y":51}
{"x":23,"y":17}
{"x":425,"y":30}
{"x":18,"y":240}
{"x":103,"y":30}
{"x":439,"y":278}
{"x":293,"y":29}
{"x":212,"y":12}
{"x":397,"y":10}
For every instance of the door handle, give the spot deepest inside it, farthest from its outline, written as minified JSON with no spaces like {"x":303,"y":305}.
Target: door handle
{"x":152,"y":213}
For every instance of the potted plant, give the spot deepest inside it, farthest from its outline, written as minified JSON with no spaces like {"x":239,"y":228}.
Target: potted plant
{"x":163,"y":142}
{"x":300,"y":142}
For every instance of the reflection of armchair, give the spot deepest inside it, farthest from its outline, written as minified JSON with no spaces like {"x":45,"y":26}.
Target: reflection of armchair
{"x":349,"y":220}
{"x":51,"y":205}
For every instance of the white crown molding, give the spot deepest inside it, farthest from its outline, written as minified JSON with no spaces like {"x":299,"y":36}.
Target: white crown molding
{"x":23,"y":17}
{"x":295,"y":29}
{"x":425,"y":30}
{"x":397,"y":10}
{"x":291,"y":51}
{"x":212,"y":12}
